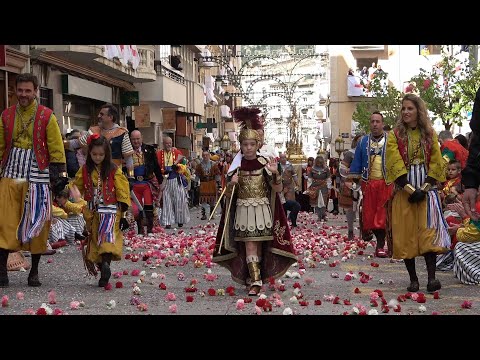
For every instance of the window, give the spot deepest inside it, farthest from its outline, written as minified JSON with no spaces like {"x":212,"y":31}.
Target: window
{"x":46,"y":97}
{"x":79,"y":113}
{"x":164,"y":52}
{"x":366,"y":62}
{"x":430,"y":49}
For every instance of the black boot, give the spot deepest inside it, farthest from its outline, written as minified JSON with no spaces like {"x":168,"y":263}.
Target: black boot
{"x":139,"y":221}
{"x":204,"y":216}
{"x":414,"y":285}
{"x":3,"y":268}
{"x":33,"y":275}
{"x":105,"y":270}
{"x":79,"y":237}
{"x":335,"y":207}
{"x":211,"y":210}
{"x":433,"y":284}
{"x":380,"y":236}
{"x":149,"y":218}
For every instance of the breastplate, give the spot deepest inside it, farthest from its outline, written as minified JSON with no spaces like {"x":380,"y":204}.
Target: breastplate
{"x":252,"y":184}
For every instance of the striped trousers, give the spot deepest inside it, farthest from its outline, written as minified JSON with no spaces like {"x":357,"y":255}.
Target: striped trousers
{"x":466,"y":263}
{"x":175,"y":204}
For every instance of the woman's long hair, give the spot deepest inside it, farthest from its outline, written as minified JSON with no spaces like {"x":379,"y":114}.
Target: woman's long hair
{"x":107,"y":165}
{"x":423,"y":120}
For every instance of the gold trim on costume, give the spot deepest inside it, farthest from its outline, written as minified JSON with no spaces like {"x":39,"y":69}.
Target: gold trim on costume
{"x":248,"y":134}
{"x":279,"y":232}
{"x":409,"y":189}
{"x":262,"y":160}
{"x":426,"y":187}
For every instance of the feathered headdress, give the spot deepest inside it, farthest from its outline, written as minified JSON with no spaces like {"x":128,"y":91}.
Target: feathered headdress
{"x":249,"y":122}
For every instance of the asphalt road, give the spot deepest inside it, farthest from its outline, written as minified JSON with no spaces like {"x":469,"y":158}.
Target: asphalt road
{"x":321,"y":276}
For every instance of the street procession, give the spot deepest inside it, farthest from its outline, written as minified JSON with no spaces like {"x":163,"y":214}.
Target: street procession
{"x":239,"y":180}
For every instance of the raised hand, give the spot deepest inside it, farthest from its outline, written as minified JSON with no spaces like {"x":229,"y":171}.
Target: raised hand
{"x":469,"y":197}
{"x":75,"y":193}
{"x":273,"y":165}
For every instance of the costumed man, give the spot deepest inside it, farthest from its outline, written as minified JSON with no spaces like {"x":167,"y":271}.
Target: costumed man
{"x":451,"y":149}
{"x":304,"y":199}
{"x":224,"y":166}
{"x":173,"y":194}
{"x":209,"y":174}
{"x":253,"y":240}
{"x":290,"y":178}
{"x":145,"y":170}
{"x":114,"y":133}
{"x":32,"y":157}
{"x":369,"y":165}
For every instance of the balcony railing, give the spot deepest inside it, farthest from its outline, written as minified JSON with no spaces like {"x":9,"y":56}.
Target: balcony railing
{"x":146,"y":68}
{"x":94,"y":57}
{"x":169,"y":73}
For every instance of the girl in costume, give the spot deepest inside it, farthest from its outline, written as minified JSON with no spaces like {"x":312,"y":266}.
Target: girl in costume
{"x":107,"y":193}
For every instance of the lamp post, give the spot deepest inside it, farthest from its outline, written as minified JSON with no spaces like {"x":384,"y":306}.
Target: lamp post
{"x":216,"y":143}
{"x":339,"y":145}
{"x":225,"y":143}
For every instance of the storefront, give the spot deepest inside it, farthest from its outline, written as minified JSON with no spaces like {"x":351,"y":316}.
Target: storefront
{"x":13,"y":61}
{"x":82,"y":100}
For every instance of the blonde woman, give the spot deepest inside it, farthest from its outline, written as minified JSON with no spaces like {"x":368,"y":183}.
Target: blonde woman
{"x":414,"y":162}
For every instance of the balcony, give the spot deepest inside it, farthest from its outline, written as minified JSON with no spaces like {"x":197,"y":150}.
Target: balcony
{"x":146,"y":68}
{"x":195,"y":99}
{"x":94,"y":57}
{"x":368,"y":47}
{"x":169,"y":89}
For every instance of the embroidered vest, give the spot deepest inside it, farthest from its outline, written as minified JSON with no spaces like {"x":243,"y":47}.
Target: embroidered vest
{"x":403,"y":149}
{"x":108,"y":187}
{"x":115,"y":138}
{"x":161,"y":157}
{"x":39,"y":134}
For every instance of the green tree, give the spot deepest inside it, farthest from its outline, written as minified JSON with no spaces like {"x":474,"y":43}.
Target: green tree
{"x":448,"y":89}
{"x":385,"y":98}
